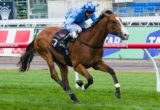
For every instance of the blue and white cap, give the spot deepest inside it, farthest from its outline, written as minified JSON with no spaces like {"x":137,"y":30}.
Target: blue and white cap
{"x":89,"y":7}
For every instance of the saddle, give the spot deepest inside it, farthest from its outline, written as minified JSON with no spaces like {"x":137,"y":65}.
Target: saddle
{"x":60,"y":43}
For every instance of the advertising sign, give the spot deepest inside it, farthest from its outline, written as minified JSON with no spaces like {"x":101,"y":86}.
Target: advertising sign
{"x":153,"y":37}
{"x":15,"y":36}
{"x":6,"y":10}
{"x":111,"y":39}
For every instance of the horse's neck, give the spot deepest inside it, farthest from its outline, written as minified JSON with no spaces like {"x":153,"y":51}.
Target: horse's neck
{"x":98,"y":33}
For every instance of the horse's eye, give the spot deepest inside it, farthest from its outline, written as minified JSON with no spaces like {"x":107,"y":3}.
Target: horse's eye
{"x":113,"y":22}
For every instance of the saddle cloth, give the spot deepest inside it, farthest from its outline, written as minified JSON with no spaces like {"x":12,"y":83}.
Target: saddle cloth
{"x":60,"y":44}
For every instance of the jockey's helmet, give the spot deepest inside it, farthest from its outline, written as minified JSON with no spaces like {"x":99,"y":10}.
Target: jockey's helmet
{"x":89,"y":7}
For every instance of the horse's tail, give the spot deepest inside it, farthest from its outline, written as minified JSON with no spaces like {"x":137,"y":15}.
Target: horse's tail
{"x":27,"y":57}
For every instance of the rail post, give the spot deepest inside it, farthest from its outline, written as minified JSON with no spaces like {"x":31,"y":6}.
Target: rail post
{"x":156,"y":69}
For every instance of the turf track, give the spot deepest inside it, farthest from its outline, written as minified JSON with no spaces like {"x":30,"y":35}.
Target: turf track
{"x":35,"y":90}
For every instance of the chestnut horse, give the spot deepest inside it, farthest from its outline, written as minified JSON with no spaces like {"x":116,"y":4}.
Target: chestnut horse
{"x":85,"y":52}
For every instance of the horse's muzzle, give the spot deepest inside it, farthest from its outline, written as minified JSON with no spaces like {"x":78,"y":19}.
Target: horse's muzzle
{"x":125,"y":36}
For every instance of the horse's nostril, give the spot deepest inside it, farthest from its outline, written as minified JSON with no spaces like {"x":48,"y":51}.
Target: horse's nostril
{"x":126,"y":35}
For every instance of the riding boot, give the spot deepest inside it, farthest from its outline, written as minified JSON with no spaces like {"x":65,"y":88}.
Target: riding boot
{"x":73,"y":34}
{"x":65,"y":49}
{"x":69,"y":39}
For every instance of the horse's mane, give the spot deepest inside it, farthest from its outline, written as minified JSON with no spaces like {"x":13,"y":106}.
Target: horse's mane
{"x":101,"y":16}
{"x":99,"y":19}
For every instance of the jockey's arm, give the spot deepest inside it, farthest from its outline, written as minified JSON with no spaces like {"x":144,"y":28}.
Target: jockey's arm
{"x":68,"y":23}
{"x":70,"y":27}
{"x":93,"y":17}
{"x":70,"y":20}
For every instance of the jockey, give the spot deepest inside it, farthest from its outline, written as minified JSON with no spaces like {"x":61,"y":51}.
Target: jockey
{"x":76,"y":17}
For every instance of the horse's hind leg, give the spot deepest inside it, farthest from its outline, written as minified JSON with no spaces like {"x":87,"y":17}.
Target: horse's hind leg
{"x":49,"y":60}
{"x":104,"y":67}
{"x":83,"y":71}
{"x":65,"y":82}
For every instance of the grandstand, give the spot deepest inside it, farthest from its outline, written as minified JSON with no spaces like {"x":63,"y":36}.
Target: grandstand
{"x":132,"y":12}
{"x":137,"y":8}
{"x":23,"y":9}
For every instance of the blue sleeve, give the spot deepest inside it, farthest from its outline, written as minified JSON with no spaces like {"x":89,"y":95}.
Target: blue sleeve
{"x":70,"y":19}
{"x":68,"y":23}
{"x":93,"y":17}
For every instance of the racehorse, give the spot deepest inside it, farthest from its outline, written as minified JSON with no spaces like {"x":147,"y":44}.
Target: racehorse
{"x":85,"y":52}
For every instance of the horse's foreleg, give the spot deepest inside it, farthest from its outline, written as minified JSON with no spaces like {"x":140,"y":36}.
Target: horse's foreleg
{"x":83,"y":71}
{"x":104,"y":67}
{"x":65,"y":82}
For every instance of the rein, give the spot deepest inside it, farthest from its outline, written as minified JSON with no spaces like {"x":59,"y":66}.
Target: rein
{"x":91,"y":46}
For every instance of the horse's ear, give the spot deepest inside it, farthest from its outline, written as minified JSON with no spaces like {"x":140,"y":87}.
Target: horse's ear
{"x":106,"y":14}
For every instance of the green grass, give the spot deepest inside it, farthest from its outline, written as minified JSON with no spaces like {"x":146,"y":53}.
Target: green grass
{"x":35,"y":90}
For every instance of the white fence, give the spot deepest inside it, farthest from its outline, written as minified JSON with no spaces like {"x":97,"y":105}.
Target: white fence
{"x":142,"y":21}
{"x":31,"y":22}
{"x":128,"y":21}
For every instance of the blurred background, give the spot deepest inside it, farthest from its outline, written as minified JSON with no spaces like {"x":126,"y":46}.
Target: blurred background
{"x":31,"y":9}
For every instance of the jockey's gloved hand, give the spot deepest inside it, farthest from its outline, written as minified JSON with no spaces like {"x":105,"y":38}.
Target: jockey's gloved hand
{"x":73,"y":34}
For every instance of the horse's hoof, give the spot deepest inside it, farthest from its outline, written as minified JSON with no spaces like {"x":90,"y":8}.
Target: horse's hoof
{"x":76,"y":101}
{"x":79,"y":82}
{"x":117,"y":95}
{"x":74,"y":98}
